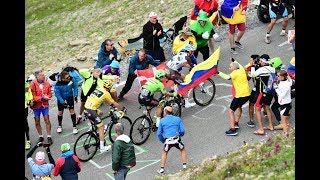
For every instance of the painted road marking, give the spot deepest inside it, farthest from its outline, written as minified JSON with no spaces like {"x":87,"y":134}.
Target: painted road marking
{"x":212,"y":104}
{"x":284,"y":43}
{"x":136,"y":170}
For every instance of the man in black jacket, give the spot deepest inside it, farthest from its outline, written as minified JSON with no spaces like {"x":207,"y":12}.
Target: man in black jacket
{"x":152,"y":33}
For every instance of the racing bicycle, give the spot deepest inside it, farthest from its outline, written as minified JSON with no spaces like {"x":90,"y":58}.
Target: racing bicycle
{"x":88,"y":143}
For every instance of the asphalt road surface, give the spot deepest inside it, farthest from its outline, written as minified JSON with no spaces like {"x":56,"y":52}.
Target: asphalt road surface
{"x":205,"y":126}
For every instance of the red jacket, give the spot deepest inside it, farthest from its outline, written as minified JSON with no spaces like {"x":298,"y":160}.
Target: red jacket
{"x":205,"y":6}
{"x":37,"y":94}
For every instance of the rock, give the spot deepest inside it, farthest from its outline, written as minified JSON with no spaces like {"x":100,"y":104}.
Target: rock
{"x":82,"y":58}
{"x":250,"y":151}
{"x":79,"y":42}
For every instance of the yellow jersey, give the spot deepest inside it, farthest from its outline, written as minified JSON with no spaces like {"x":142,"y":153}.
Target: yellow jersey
{"x":97,"y":97}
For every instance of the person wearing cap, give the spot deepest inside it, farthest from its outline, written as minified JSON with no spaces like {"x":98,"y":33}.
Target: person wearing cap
{"x":28,"y":102}
{"x":264,"y":98}
{"x":39,"y":167}
{"x":68,"y":165}
{"x":107,"y":54}
{"x":185,"y":37}
{"x":170,"y":131}
{"x":240,"y":93}
{"x":152,"y":32}
{"x":203,"y":31}
{"x":41,"y":92}
{"x":113,"y":70}
{"x":123,"y":154}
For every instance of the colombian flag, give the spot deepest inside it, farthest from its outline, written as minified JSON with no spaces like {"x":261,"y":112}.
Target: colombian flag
{"x":200,"y":73}
{"x":143,"y":75}
{"x":292,"y":69}
{"x":230,"y":16}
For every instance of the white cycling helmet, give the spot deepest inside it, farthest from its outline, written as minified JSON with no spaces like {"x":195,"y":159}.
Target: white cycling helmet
{"x":189,"y":47}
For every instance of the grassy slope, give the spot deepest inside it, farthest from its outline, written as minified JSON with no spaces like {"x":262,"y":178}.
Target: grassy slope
{"x":273,"y":158}
{"x":51,"y":25}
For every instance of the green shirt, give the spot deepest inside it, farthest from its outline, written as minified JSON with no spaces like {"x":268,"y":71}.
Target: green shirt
{"x":153,"y":85}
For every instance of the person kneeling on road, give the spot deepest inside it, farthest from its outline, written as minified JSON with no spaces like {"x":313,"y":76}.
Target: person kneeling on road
{"x":147,"y":91}
{"x":94,"y":101}
{"x":169,"y":132}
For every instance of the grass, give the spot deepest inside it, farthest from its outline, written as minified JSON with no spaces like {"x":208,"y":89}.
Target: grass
{"x":273,"y":158}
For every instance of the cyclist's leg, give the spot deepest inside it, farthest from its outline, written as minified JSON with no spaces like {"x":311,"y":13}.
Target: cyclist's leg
{"x":113,"y":93}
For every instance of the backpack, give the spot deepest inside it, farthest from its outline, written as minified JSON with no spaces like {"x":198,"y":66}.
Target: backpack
{"x":74,"y":73}
{"x":269,"y":86}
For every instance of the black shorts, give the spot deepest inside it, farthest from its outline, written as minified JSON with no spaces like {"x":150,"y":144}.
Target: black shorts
{"x":264,"y":99}
{"x":147,"y":100}
{"x":83,"y":97}
{"x":70,"y":103}
{"x":253,"y":96}
{"x":93,"y":116}
{"x":179,"y":145}
{"x":284,"y":109}
{"x":238,"y":102}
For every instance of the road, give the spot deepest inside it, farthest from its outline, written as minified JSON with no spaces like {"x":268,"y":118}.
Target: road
{"x":205,"y":126}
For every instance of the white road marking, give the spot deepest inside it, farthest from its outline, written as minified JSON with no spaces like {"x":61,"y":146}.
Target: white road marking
{"x":282,"y":44}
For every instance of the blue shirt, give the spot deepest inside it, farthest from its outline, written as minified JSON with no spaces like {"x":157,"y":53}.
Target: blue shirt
{"x":170,"y":126}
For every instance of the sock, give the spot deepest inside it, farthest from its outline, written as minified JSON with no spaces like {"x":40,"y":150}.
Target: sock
{"x":184,"y":165}
{"x":49,"y":135}
{"x":162,"y":169}
{"x":73,"y":118}
{"x":283,"y":30}
{"x":41,"y":135}
{"x":268,"y":34}
{"x":186,"y":101}
{"x":233,"y":129}
{"x":101,"y":144}
{"x":158,"y":121}
{"x":79,"y":116}
{"x":60,"y":120}
{"x":236,"y":123}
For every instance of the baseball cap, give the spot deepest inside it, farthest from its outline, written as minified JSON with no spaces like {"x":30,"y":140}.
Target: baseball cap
{"x":264,"y":58}
{"x":40,"y":157}
{"x":65,"y":147}
{"x":153,"y":15}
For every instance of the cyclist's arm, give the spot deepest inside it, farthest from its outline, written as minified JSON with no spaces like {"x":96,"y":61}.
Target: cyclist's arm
{"x":189,"y":63}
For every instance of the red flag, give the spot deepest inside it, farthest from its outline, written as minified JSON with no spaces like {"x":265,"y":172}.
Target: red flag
{"x":143,"y":75}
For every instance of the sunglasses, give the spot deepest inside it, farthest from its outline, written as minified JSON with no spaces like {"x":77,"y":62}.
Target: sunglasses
{"x":110,"y":44}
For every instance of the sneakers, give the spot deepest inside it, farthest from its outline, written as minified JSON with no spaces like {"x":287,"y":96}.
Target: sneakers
{"x":250,"y":124}
{"x":238,"y":45}
{"x":189,"y":104}
{"x":267,"y":39}
{"x":75,"y":130}
{"x":28,"y":145}
{"x":161,"y":171}
{"x":40,"y":139}
{"x":278,"y":127}
{"x":230,"y":132}
{"x":236,"y":125}
{"x":59,"y":129}
{"x":49,"y":140}
{"x":106,"y":148}
{"x":283,"y":33}
{"x":233,"y":51}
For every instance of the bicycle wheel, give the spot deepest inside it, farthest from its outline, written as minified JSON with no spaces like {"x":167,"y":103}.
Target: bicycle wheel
{"x":126,"y":122}
{"x":176,"y":107}
{"x":204,"y":93}
{"x":86,"y":146}
{"x":140,"y":130}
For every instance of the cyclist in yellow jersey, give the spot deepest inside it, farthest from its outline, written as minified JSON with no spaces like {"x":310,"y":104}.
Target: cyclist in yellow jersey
{"x":91,"y":108}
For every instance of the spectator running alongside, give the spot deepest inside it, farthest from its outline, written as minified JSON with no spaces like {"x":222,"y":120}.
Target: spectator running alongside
{"x":170,"y":131}
{"x":240,"y":93}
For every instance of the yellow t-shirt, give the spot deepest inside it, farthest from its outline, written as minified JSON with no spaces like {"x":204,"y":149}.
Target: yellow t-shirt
{"x":178,"y":45}
{"x":240,"y":83}
{"x":97,"y":97}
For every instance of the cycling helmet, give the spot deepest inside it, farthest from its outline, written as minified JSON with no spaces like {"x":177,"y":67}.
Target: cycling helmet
{"x":107,"y":84}
{"x":189,"y":47}
{"x":40,"y":157}
{"x":65,"y":147}
{"x":115,"y":64}
{"x":160,"y":74}
{"x":26,"y":85}
{"x":276,"y":62}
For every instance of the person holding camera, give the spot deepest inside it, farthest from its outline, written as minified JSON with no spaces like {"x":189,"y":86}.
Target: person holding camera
{"x":68,"y":165}
{"x":39,"y":167}
{"x":66,"y":91}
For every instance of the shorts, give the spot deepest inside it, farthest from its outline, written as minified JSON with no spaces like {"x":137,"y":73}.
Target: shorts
{"x":43,"y":110}
{"x":253,"y":96}
{"x":173,"y":75}
{"x":147,"y":100}
{"x":93,"y":116}
{"x":264,"y":99}
{"x":241,"y":27}
{"x":284,"y":109}
{"x":238,"y":102}
{"x":70,"y":103}
{"x":83,"y":97}
{"x":274,"y":10}
{"x":173,"y":142}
